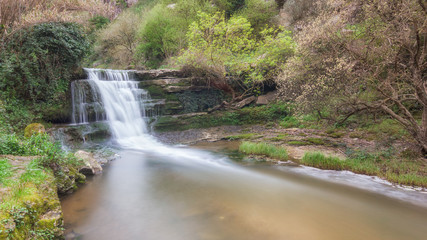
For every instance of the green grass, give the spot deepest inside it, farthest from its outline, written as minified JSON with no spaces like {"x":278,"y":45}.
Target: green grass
{"x":279,"y":137}
{"x":382,"y":165}
{"x":264,"y":149}
{"x":290,"y":122}
{"x":318,"y":160}
{"x":5,"y":170}
{"x":316,"y":141}
{"x":298,"y":143}
{"x":242,"y":136}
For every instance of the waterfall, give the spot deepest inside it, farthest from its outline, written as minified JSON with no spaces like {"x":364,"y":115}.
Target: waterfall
{"x":112,"y":96}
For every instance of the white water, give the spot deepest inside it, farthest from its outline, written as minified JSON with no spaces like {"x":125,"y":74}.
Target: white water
{"x":125,"y":107}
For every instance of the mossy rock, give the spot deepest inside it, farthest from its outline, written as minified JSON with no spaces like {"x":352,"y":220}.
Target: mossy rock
{"x":34,"y":128}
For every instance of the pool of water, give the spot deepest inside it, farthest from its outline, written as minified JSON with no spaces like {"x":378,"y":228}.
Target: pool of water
{"x":204,"y":192}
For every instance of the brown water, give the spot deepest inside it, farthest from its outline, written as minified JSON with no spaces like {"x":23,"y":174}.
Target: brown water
{"x":155,"y":197}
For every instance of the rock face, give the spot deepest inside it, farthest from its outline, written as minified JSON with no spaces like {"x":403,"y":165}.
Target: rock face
{"x":159,"y":73}
{"x":177,"y":93}
{"x":34,"y":128}
{"x":91,"y":166}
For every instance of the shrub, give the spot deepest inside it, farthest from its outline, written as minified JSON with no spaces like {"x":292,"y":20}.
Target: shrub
{"x":162,"y":34}
{"x":259,"y":13}
{"x":220,"y":47}
{"x":116,"y":44}
{"x":37,"y":64}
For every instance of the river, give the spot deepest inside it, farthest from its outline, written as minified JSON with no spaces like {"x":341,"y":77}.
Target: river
{"x":160,"y":192}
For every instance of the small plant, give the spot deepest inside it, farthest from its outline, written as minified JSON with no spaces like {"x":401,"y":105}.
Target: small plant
{"x":263,"y":149}
{"x":290,"y":122}
{"x":5,"y":170}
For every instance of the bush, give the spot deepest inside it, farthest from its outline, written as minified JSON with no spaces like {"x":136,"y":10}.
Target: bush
{"x":162,"y":34}
{"x":37,"y":64}
{"x":259,"y":13}
{"x":116,"y":43}
{"x":219,"y":47}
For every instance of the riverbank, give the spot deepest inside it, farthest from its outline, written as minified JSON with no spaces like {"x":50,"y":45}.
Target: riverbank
{"x":34,"y":171}
{"x":339,"y":149}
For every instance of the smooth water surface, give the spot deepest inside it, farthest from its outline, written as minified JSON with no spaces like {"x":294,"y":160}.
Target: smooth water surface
{"x":160,"y":192}
{"x":148,"y":196}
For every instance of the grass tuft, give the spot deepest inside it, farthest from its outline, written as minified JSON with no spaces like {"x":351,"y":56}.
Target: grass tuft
{"x":242,"y":136}
{"x":264,"y":149}
{"x":318,"y":160}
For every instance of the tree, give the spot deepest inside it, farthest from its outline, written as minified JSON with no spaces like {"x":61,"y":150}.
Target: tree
{"x":364,"y":56}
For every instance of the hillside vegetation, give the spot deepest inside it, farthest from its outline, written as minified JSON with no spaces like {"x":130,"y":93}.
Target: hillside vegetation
{"x":339,"y":60}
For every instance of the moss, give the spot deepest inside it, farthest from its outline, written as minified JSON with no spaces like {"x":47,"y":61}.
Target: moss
{"x":279,"y":137}
{"x":298,"y":143}
{"x":243,"y":136}
{"x":34,"y":128}
{"x":336,"y":134}
{"x":316,"y":141}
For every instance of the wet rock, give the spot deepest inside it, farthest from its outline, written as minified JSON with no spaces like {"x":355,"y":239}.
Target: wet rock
{"x":91,"y":165}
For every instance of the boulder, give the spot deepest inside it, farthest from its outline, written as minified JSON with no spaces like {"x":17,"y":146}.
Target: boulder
{"x":267,"y":98}
{"x":246,"y":102}
{"x":91,"y":165}
{"x":34,"y":128}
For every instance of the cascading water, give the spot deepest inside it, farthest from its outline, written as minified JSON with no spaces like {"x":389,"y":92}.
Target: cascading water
{"x":113,"y":96}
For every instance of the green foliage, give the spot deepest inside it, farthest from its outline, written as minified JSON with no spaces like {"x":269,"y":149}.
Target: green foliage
{"x":220,"y":47}
{"x":290,"y":122}
{"x":36,"y":65}
{"x":162,"y":34}
{"x":229,"y":6}
{"x":99,"y":22}
{"x":263,"y":149}
{"x":388,"y":127}
{"x":5,"y":170}
{"x":259,"y":13}
{"x":298,"y":143}
{"x":317,"y":159}
{"x":242,"y":136}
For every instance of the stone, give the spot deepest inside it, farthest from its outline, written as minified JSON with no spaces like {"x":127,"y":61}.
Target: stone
{"x":246,"y":102}
{"x":266,"y":98}
{"x":91,"y":165}
{"x":159,"y":73}
{"x":34,"y":128}
{"x":163,"y":82}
